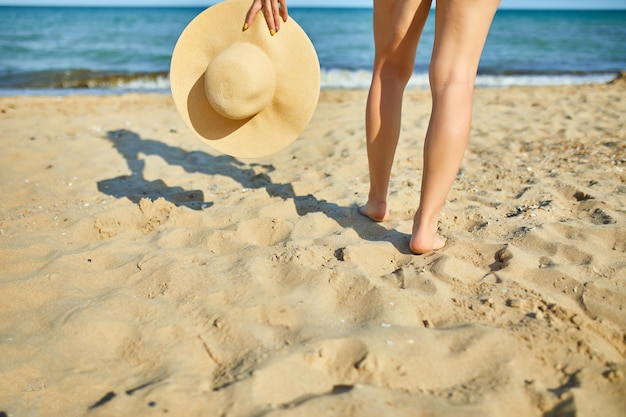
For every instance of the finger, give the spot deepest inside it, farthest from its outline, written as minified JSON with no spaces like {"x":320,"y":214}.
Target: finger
{"x":283,"y":10}
{"x":254,"y":9}
{"x":269,"y":16}
{"x":276,"y":15}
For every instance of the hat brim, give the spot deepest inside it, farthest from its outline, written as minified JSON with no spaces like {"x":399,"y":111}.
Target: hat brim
{"x":297,"y":81}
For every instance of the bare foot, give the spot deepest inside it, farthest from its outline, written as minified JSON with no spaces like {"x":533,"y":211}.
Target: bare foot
{"x":425,"y":239}
{"x":375,"y":211}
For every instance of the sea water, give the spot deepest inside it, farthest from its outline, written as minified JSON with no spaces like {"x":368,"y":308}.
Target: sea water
{"x":96,"y":50}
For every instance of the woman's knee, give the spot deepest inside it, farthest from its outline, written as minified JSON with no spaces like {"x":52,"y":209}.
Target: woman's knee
{"x":443,"y":76}
{"x":397,"y":68}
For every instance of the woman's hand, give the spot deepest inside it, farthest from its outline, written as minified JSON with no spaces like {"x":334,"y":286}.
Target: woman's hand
{"x":273,"y":11}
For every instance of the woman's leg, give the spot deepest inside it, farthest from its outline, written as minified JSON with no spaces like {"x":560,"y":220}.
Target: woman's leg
{"x":398,"y":25}
{"x":461,"y":28}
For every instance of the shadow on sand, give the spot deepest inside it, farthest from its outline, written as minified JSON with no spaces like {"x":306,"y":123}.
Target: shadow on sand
{"x":136,"y":187}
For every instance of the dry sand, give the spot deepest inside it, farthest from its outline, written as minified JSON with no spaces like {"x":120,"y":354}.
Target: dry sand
{"x":143,"y":273}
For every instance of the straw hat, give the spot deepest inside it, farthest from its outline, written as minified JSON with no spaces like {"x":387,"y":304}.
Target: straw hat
{"x":249,"y":94}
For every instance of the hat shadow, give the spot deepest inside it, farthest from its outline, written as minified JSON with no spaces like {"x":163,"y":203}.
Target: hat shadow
{"x":136,"y":187}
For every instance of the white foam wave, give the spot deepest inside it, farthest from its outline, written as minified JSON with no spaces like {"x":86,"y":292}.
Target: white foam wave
{"x":541,"y":80}
{"x":330,"y":79}
{"x":360,"y":79}
{"x":156,"y":83}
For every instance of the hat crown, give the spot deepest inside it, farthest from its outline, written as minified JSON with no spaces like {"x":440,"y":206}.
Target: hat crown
{"x":240,"y":81}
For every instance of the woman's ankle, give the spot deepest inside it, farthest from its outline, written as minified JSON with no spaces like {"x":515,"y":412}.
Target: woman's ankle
{"x":375,"y":210}
{"x":425,"y":237}
{"x":424,"y":242}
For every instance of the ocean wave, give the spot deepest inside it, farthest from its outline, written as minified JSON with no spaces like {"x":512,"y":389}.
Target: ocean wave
{"x":543,"y":80}
{"x":360,"y":79}
{"x":84,"y":79}
{"x":93,"y":82}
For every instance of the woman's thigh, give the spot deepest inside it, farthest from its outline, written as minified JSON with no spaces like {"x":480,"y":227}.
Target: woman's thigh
{"x":461,"y":28}
{"x":398,"y":25}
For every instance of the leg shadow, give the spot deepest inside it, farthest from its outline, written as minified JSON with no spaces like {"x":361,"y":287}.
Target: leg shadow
{"x":135,"y":186}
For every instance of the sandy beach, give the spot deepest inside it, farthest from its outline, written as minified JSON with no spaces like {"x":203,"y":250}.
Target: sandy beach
{"x":143,"y":273}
